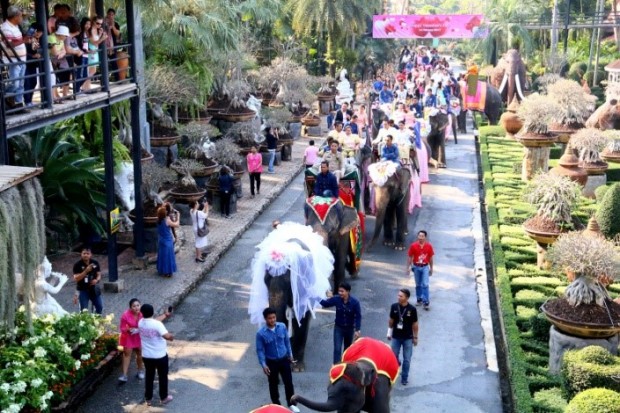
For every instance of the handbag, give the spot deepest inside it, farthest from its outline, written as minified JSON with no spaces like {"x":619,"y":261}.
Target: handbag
{"x":204,"y":231}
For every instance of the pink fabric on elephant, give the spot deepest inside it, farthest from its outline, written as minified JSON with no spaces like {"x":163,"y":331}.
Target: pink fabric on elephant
{"x":422,"y":155}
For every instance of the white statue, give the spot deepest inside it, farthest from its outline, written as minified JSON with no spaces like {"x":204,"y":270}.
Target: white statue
{"x":345,"y":93}
{"x":43,"y":302}
{"x":125,"y":191}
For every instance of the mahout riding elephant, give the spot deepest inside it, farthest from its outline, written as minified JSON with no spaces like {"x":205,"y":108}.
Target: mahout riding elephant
{"x":391,"y":198}
{"x":491,"y":106}
{"x":335,"y":228}
{"x":362,"y":382}
{"x":290,"y":273}
{"x":509,"y":76}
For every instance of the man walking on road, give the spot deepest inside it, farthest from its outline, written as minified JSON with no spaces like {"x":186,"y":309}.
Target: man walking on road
{"x":420,"y":261}
{"x":348,"y":319}
{"x":403,"y":331}
{"x":275,"y":356}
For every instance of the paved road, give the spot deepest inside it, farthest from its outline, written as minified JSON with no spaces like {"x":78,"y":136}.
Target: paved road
{"x":213,"y":362}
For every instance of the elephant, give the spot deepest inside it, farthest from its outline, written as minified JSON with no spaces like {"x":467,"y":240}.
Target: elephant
{"x":437,"y":137}
{"x":492,"y":105}
{"x":509,"y":76}
{"x":335,"y":230}
{"x":292,"y":256}
{"x":391,"y":201}
{"x":607,"y":116}
{"x":363,"y":382}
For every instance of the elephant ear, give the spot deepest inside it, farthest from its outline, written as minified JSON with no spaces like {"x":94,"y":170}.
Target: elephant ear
{"x":350,"y":220}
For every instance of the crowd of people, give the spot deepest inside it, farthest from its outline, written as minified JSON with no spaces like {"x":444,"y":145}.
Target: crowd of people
{"x":73,"y":53}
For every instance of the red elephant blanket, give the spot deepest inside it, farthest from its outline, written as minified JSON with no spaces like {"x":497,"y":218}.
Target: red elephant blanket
{"x":321,"y":206}
{"x":477,"y":101}
{"x":374,"y":351}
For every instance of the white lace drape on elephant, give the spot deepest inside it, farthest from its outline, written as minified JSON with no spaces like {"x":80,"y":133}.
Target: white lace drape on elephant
{"x":297,"y":248}
{"x":380,"y":172}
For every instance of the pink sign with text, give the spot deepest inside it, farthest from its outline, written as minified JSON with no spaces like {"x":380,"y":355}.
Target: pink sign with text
{"x":428,"y":26}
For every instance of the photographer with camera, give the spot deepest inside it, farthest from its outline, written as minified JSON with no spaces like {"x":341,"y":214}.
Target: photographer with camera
{"x":87,"y":274}
{"x":199,"y":212}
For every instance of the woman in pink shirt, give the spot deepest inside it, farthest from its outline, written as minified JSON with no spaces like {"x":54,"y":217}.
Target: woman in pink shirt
{"x":255,"y":168}
{"x":130,"y":339}
{"x":311,"y":154}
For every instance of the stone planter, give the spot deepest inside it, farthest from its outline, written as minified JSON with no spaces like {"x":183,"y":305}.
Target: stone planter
{"x":235,"y":117}
{"x":543,"y":240}
{"x":287,"y":149}
{"x":535,"y":154}
{"x":326,"y":103}
{"x":569,"y":166}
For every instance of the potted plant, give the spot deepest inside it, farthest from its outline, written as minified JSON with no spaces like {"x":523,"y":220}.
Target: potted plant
{"x":166,"y":86}
{"x":576,"y":105}
{"x":244,"y":135}
{"x":590,"y":142}
{"x":536,"y":111}
{"x":186,"y":189}
{"x":154,"y":177}
{"x":585,"y":310}
{"x":611,"y":153}
{"x":196,"y":141}
{"x":553,"y":196}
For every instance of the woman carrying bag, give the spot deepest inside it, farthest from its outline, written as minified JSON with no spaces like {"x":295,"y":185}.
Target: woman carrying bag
{"x":199,"y":213}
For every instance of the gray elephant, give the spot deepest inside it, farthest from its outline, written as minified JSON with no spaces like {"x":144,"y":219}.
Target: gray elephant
{"x":391,"y":202}
{"x":509,"y":76}
{"x":358,"y":384}
{"x":437,"y":137}
{"x":335,"y":229}
{"x":491,"y":106}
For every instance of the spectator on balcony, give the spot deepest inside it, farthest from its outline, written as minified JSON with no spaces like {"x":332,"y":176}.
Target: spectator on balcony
{"x":33,"y":52}
{"x":60,"y":15}
{"x":56,"y":41}
{"x":113,"y":30}
{"x":14,"y":53}
{"x":74,"y":53}
{"x":96,"y":37}
{"x":83,"y":82}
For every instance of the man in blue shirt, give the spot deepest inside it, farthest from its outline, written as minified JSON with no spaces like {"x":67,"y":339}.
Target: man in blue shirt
{"x":275,"y":356}
{"x":386,"y":95}
{"x":377,"y":85}
{"x":348,"y":319}
{"x":390,"y":151}
{"x":416,"y":107}
{"x":326,"y":181}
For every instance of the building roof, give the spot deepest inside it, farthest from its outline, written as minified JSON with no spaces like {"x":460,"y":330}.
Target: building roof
{"x":613,"y":66}
{"x":11,"y":176}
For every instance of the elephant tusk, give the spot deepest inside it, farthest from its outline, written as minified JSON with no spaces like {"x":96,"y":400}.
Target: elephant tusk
{"x":503,"y":84}
{"x":518,"y":82}
{"x":289,"y":316}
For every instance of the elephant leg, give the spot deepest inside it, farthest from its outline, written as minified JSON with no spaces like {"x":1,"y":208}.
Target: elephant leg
{"x":388,"y":224}
{"x":298,"y":341}
{"x":340,"y":260}
{"x":441,"y":151}
{"x":454,"y":127}
{"x":381,"y":200}
{"x":401,"y":219}
{"x":462,"y":121}
{"x":380,"y":403}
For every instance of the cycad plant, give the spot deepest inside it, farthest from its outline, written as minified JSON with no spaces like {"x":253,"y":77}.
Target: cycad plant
{"x":554,"y":197}
{"x":589,"y":142}
{"x":72,"y":181}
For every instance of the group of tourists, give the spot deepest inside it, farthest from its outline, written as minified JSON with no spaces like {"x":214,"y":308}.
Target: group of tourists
{"x":73,"y":50}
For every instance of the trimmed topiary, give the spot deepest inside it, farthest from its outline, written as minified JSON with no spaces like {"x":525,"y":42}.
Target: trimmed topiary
{"x":600,"y":192}
{"x":595,"y":400}
{"x":540,"y":327}
{"x":608,"y":214}
{"x":550,"y":400}
{"x":592,"y":366}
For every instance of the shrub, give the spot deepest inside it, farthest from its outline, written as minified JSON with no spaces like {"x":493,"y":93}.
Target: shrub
{"x":595,"y":400}
{"x":550,"y":400}
{"x":496,"y":130}
{"x":540,"y":327}
{"x":600,"y":192}
{"x":608,"y":215}
{"x":592,"y":366}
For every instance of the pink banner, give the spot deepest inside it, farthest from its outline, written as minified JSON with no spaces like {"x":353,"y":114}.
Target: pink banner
{"x":428,"y":26}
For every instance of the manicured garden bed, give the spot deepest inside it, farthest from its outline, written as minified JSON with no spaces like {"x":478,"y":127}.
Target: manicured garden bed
{"x":521,"y":286}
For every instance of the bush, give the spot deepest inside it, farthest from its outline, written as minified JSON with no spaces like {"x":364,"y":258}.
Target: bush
{"x":550,"y":400}
{"x":496,"y":130}
{"x":601,"y":75}
{"x":592,"y":366}
{"x":540,"y":327}
{"x":608,"y":215}
{"x":595,"y":400}
{"x":600,"y":192}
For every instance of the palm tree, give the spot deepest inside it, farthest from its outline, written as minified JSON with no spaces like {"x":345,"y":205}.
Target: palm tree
{"x":336,"y":19}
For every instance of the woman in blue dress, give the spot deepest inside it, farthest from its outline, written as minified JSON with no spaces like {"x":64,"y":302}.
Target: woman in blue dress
{"x":166,"y":262}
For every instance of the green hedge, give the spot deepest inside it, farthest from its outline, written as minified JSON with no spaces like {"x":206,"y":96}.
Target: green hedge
{"x":595,"y":401}
{"x":608,"y":214}
{"x":592,"y":366}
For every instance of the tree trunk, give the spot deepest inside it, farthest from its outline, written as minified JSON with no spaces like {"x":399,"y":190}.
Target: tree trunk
{"x":329,"y":55}
{"x":554,"y":28}
{"x":614,"y":8}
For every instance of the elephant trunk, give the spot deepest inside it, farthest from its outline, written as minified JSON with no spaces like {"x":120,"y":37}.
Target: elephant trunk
{"x":332,"y":404}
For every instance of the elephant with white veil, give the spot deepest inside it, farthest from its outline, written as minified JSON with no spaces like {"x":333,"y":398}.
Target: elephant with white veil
{"x":290,"y":273}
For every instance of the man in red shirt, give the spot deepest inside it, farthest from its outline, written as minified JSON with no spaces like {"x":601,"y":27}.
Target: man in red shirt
{"x":420,"y":261}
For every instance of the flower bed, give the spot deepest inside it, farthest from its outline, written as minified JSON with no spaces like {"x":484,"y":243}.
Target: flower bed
{"x":40,"y":366}
{"x":521,"y":286}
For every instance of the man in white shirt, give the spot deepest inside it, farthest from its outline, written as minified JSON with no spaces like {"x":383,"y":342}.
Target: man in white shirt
{"x":387,"y":129}
{"x":15,"y":48}
{"x":153,"y":336}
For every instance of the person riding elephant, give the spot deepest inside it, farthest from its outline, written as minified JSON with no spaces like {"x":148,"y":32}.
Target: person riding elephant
{"x":391,"y":188}
{"x":334,"y":223}
{"x":290,"y":273}
{"x":509,"y":76}
{"x":487,"y":100}
{"x":362,"y":382}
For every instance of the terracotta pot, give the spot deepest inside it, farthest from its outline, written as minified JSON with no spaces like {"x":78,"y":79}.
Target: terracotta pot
{"x":147,"y":159}
{"x":536,"y":140}
{"x":564,"y":132}
{"x":594,"y":168}
{"x":308,"y":121}
{"x":164,"y":141}
{"x":123,"y":63}
{"x":609,"y":156}
{"x":569,"y":166}
{"x":186,"y":197}
{"x":234,"y":117}
{"x":511,"y":122}
{"x":148,"y":221}
{"x":542,"y":237}
{"x":577,"y":328}
{"x":324,"y":98}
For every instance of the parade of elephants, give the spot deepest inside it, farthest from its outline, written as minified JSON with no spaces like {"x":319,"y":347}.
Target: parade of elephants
{"x":331,"y":210}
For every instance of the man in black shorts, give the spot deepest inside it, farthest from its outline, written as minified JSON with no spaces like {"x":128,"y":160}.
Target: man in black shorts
{"x":87,"y":274}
